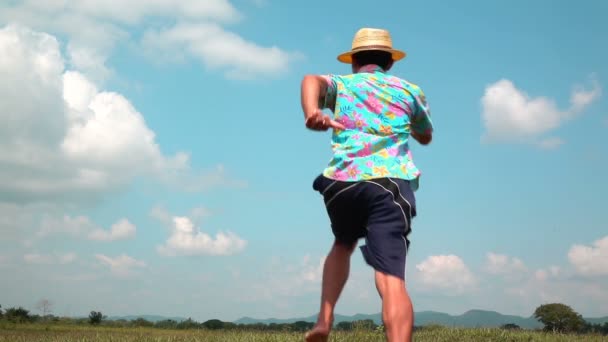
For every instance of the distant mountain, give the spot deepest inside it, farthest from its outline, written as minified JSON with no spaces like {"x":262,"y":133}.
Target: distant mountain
{"x":337,"y":319}
{"x":469,"y":319}
{"x":600,"y":320}
{"x":475,"y":318}
{"x":150,"y":318}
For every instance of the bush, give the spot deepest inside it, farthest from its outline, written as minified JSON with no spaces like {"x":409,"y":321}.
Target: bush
{"x":95,"y":317}
{"x":18,"y":315}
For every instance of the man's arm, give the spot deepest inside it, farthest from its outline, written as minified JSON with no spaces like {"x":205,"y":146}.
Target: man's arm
{"x":422,"y":125}
{"x":314,"y":90}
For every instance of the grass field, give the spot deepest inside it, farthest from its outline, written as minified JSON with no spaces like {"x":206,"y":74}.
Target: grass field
{"x":42,"y":333}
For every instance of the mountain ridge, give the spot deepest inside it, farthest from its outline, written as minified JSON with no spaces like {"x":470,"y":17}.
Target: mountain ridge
{"x":469,"y":319}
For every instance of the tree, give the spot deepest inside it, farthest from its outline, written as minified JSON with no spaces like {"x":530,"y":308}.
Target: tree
{"x":95,"y":317}
{"x":301,"y":326}
{"x":166,"y":324}
{"x":45,"y":306}
{"x":141,"y":322}
{"x":213,"y":324}
{"x":344,"y":326}
{"x":18,"y":315}
{"x":559,"y":317}
{"x":510,"y":326}
{"x":188,"y":324}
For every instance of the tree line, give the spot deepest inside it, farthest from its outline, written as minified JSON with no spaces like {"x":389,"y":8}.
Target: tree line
{"x":556,"y":317}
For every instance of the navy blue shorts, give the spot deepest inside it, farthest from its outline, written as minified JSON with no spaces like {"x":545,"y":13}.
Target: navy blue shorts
{"x":380,"y":210}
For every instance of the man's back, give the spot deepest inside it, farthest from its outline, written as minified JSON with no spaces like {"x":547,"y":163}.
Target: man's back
{"x":379,"y":112}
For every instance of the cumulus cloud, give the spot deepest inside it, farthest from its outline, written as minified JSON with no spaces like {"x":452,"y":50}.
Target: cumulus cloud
{"x":122,"y":265}
{"x":581,"y":97}
{"x":556,"y":284}
{"x":120,"y":230}
{"x":544,"y":274}
{"x":500,"y":264}
{"x":62,"y":138}
{"x":69,"y":225}
{"x":18,"y":221}
{"x":220,"y":49}
{"x":96,"y":27}
{"x":281,"y":280}
{"x":511,"y":115}
{"x":312,"y":272}
{"x":447,"y":273}
{"x":49,"y":259}
{"x":83,"y":227}
{"x":187,"y":239}
{"x":590,"y":260}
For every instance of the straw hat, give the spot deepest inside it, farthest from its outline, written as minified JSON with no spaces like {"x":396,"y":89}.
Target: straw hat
{"x":371,"y":39}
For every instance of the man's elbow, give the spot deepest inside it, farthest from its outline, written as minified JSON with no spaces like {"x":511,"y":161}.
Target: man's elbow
{"x":423,"y":139}
{"x":426,"y":139}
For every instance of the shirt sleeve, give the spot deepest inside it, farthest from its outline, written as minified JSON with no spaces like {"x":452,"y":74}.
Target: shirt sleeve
{"x":329,"y":101}
{"x":421,"y":120}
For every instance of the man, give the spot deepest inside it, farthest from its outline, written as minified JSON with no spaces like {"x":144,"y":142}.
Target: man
{"x":368,"y":186}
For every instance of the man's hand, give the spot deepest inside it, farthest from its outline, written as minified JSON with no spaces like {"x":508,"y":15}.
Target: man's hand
{"x":317,"y":121}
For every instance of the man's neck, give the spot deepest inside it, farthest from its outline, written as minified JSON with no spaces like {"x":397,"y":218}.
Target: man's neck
{"x":369,"y":68}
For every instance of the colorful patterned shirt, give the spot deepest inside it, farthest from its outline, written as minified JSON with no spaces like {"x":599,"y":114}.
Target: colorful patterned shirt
{"x":379,"y":111}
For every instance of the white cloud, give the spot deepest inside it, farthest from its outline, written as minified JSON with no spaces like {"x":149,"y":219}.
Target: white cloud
{"x":550,"y":143}
{"x":279,"y":281}
{"x":90,"y":62}
{"x":511,"y":115}
{"x":17,"y":221}
{"x":121,"y":265}
{"x":74,"y":226}
{"x":447,"y":273}
{"x":581,"y":97}
{"x":554,"y":284}
{"x":62,"y":138}
{"x":185,"y":180}
{"x":312,"y":272}
{"x":186,"y":239}
{"x":49,"y":259}
{"x":220,"y":49}
{"x":95,"y":27}
{"x":544,"y":274}
{"x":83,"y":227}
{"x":504,"y":265}
{"x":590,"y":260}
{"x":120,"y":230}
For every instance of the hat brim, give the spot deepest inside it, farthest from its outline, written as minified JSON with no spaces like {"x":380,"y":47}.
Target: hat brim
{"x":347,"y":57}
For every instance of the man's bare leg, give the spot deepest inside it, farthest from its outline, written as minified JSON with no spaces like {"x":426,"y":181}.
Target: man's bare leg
{"x":397,"y":309}
{"x":335,"y":274}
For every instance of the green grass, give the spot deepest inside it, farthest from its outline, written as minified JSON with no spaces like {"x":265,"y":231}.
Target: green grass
{"x":66,"y":333}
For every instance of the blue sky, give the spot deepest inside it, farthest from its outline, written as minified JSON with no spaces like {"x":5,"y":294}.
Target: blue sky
{"x":153,"y":158}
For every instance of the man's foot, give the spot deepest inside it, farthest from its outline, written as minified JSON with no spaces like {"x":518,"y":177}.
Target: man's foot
{"x":317,"y":334}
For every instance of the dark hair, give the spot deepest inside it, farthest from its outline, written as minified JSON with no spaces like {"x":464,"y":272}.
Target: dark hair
{"x":380,"y":58}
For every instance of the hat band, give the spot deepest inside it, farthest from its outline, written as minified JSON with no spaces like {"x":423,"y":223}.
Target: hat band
{"x":365,"y":47}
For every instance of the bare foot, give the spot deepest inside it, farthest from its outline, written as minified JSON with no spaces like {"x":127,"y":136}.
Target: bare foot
{"x":317,"y":334}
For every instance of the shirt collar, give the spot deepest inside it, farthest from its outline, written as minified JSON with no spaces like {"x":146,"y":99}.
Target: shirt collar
{"x":370,"y":68}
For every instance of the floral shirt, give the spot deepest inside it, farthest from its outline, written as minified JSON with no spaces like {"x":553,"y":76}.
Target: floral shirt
{"x":379,"y":111}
